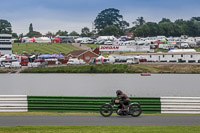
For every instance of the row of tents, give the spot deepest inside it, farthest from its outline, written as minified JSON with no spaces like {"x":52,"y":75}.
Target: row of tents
{"x":49,"y":56}
{"x":40,"y":40}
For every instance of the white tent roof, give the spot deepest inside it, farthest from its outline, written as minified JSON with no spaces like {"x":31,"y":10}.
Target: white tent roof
{"x":182,"y":51}
{"x":100,"y":57}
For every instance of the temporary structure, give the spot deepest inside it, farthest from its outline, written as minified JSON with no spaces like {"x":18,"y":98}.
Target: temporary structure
{"x":43,"y":40}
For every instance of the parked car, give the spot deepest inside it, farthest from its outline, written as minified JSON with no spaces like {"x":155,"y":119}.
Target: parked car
{"x":16,"y":65}
{"x":7,"y":65}
{"x":108,"y":43}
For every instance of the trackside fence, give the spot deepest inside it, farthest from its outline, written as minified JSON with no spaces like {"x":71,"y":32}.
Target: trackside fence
{"x":189,"y":105}
{"x":23,"y":103}
{"x":13,"y":103}
{"x":84,"y":104}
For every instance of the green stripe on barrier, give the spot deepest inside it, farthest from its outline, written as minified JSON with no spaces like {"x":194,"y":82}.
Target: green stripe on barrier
{"x":85,"y":104}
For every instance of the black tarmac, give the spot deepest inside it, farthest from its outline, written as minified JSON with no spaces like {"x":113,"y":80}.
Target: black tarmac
{"x":73,"y":120}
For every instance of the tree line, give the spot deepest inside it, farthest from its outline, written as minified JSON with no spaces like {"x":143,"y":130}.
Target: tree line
{"x":111,"y":22}
{"x":167,"y":28}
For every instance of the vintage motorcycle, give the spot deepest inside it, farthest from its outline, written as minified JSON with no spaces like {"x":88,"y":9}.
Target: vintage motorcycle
{"x":133,"y":109}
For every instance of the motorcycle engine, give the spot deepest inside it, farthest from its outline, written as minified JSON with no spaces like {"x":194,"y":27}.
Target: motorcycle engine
{"x":119,"y":112}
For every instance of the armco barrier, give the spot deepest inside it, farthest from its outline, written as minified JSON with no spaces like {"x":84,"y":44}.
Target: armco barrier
{"x":84,"y":104}
{"x":189,"y":105}
{"x":13,"y":103}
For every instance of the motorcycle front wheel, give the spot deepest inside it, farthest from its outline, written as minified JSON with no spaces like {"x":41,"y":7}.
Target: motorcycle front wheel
{"x":135,"y":110}
{"x":106,"y":110}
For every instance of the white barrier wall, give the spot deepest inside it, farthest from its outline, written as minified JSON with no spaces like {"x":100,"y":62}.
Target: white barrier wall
{"x":13,"y":103}
{"x":189,"y":105}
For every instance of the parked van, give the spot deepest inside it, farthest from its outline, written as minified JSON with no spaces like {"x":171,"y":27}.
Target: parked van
{"x":16,"y":65}
{"x":75,"y":62}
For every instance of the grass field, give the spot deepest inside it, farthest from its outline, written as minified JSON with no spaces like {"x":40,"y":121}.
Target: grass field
{"x":93,"y":46}
{"x":42,"y":48}
{"x":100,"y":129}
{"x":120,"y":68}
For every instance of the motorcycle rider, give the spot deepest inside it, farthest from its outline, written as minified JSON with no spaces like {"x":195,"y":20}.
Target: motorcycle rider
{"x":124,"y":99}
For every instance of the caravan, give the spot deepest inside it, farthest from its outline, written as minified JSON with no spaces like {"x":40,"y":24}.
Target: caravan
{"x":133,"y":60}
{"x":102,"y":60}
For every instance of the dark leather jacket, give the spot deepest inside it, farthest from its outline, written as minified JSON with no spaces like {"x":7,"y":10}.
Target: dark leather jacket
{"x":124,"y":97}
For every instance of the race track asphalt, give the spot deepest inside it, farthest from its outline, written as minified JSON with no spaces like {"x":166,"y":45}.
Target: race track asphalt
{"x":69,"y":120}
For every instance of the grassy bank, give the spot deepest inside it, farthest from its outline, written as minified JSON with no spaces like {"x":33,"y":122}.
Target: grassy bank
{"x":5,"y":70}
{"x":120,"y":68}
{"x":19,"y":48}
{"x":100,"y":129}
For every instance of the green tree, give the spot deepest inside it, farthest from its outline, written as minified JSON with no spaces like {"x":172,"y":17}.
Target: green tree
{"x":62,"y":33}
{"x":21,"y":36}
{"x":49,"y":33}
{"x":85,"y":32}
{"x":139,"y":21}
{"x":196,"y":19}
{"x":123,"y":26}
{"x":74,"y":33}
{"x":109,"y":17}
{"x":165,"y":20}
{"x":31,"y":28}
{"x":153,"y":29}
{"x":5,"y":27}
{"x":110,"y":30}
{"x":166,"y":29}
{"x":142,"y":31}
{"x":14,"y":35}
{"x":34,"y":34}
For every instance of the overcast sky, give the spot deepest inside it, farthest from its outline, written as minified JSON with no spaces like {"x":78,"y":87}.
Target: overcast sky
{"x":52,"y":15}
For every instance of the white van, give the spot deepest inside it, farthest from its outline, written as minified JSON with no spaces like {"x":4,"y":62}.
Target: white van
{"x":73,"y":62}
{"x":16,"y":65}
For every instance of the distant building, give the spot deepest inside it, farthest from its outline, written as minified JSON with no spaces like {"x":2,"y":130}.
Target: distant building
{"x":81,"y":54}
{"x":5,"y":44}
{"x":187,"y":57}
{"x":130,"y":34}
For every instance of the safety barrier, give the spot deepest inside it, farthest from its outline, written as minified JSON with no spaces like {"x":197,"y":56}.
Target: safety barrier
{"x":23,"y":103}
{"x":13,"y":103}
{"x":84,"y":104}
{"x":180,"y":105}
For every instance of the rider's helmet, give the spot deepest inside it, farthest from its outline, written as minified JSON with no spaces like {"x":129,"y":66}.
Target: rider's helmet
{"x":118,"y":92}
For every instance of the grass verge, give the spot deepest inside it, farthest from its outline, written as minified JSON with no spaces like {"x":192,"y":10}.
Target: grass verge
{"x":100,"y":129}
{"x":120,"y":68}
{"x":5,"y":70}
